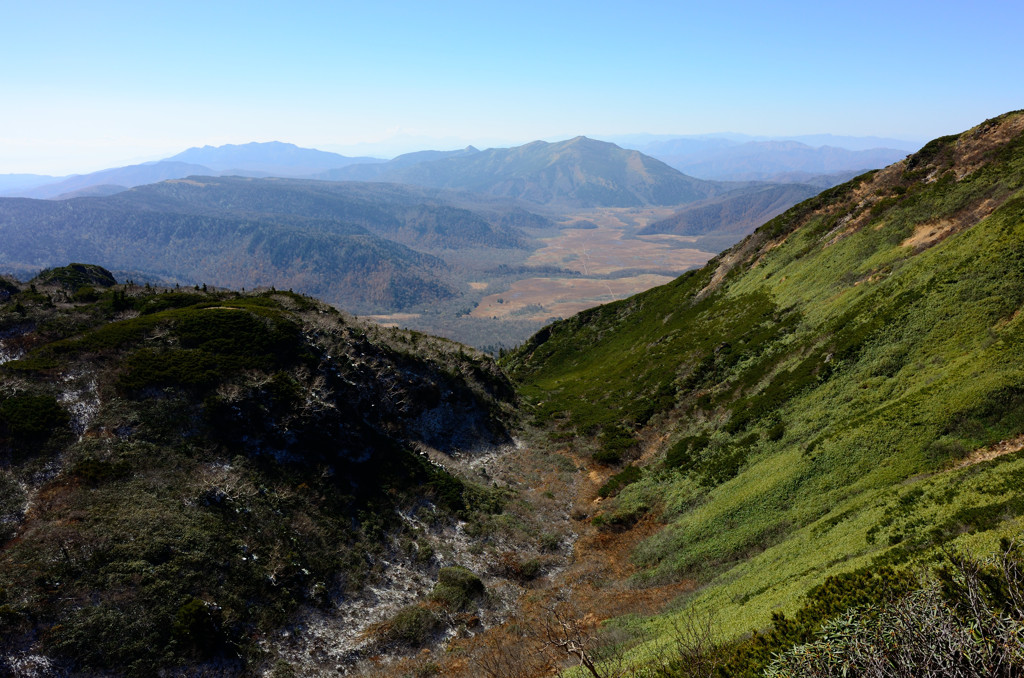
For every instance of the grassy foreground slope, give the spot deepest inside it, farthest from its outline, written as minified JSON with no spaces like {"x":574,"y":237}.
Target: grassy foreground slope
{"x":844,"y":388}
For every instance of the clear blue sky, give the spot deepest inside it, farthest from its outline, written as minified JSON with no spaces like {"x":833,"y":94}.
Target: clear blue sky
{"x":87,"y":85}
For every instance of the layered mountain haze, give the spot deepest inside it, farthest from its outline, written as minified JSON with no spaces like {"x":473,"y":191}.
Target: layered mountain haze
{"x":10,"y":183}
{"x":334,"y":240}
{"x":801,"y":459}
{"x":478,"y":224}
{"x":271,"y":158}
{"x":380,"y":170}
{"x":771,"y":160}
{"x":114,"y":180}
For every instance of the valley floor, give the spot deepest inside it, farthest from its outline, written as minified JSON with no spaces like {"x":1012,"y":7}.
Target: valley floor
{"x":601,"y":258}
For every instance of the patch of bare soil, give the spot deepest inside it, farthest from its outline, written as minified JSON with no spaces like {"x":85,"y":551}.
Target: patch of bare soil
{"x":934,"y":232}
{"x":393,"y":319}
{"x":991,"y":452}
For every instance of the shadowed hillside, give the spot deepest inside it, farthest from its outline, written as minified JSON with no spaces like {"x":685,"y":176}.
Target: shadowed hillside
{"x":182,"y":473}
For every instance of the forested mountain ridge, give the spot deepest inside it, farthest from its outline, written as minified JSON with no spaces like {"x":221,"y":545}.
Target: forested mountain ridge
{"x":841,"y":390}
{"x":347,"y":243}
{"x":420,"y":218}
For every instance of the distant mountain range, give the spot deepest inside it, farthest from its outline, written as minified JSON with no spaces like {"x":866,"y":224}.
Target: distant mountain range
{"x":271,"y":158}
{"x":648,"y":143}
{"x":115,"y":179}
{"x":421,"y":231}
{"x":580,"y":172}
{"x":774,"y":160}
{"x":349,"y":242}
{"x":537,"y":172}
{"x":375,"y":171}
{"x":374,"y":246}
{"x":769,"y":160}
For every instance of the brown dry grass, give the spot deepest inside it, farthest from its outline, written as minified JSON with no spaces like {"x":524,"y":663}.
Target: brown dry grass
{"x":561,"y":297}
{"x":593,"y":587}
{"x":609,"y":249}
{"x":981,"y":140}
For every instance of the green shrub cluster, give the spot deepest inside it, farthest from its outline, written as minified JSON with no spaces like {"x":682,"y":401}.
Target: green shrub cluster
{"x":457,"y":588}
{"x":839,"y":593}
{"x":413,"y":626}
{"x":966,"y":623}
{"x":28,"y":423}
{"x":76,"y":277}
{"x":616,"y":443}
{"x":627,"y":476}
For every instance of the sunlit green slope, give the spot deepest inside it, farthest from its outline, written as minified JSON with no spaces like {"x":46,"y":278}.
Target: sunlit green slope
{"x":824,"y":395}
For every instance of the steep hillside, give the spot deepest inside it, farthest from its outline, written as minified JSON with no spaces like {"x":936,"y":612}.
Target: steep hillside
{"x":579,"y":172}
{"x":183,"y":474}
{"x":843,"y":389}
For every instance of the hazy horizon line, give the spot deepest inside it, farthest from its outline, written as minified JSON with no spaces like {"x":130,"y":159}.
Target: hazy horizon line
{"x":388,"y":149}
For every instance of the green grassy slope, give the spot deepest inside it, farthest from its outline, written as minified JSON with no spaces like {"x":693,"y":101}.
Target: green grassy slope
{"x":803,"y":405}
